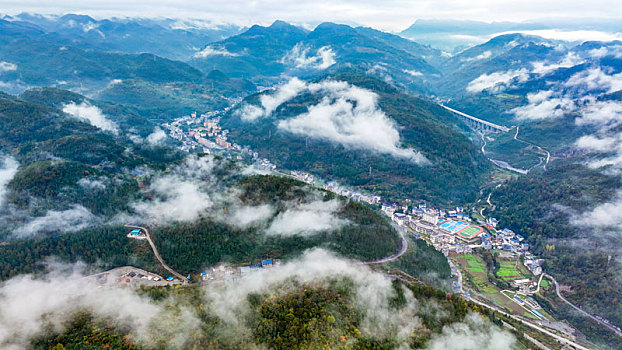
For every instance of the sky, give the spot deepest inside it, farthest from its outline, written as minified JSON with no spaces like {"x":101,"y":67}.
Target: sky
{"x":389,"y":15}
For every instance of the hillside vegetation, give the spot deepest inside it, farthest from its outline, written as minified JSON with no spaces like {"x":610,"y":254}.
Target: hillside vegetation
{"x":457,"y":167}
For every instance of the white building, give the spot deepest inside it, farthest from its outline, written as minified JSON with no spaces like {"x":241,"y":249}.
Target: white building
{"x":430,"y":216}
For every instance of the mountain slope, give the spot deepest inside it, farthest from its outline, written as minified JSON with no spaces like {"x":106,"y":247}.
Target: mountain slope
{"x":456,"y":167}
{"x":173,"y":39}
{"x":264,"y":54}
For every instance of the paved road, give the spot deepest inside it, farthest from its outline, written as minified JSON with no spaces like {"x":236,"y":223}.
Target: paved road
{"x":608,"y":326}
{"x":539,"y":282}
{"x":534,"y":326}
{"x":394,"y":256}
{"x":158,"y":256}
{"x":548,"y":154}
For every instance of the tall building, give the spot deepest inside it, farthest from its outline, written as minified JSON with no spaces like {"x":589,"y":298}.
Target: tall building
{"x":430,"y":216}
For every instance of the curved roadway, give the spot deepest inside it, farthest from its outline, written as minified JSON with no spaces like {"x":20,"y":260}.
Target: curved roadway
{"x":394,"y":256}
{"x":608,"y":326}
{"x":158,"y":256}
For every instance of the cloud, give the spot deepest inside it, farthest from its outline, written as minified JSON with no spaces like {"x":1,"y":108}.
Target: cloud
{"x":177,"y":199}
{"x":569,"y":35}
{"x":61,"y":221}
{"x":156,"y":137}
{"x":604,"y":114}
{"x":8,"y":169}
{"x":605,"y":215}
{"x":498,"y":81}
{"x":474,"y":333}
{"x":542,"y":105}
{"x":606,"y":142}
{"x":608,"y":146}
{"x":595,"y":79}
{"x":183,"y":194}
{"x":269,"y":102}
{"x":92,"y":184}
{"x":413,"y":73}
{"x":7,"y":67}
{"x":570,"y":60}
{"x":348,"y":115}
{"x":372,"y":292}
{"x":244,"y":216}
{"x":483,"y":55}
{"x":214,"y":51}
{"x":307,"y":219}
{"x":299,"y":56}
{"x":30,"y":304}
{"x":610,"y":50}
{"x":91,"y":114}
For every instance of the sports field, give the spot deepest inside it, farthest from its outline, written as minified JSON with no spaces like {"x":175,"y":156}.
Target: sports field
{"x":471,"y":231}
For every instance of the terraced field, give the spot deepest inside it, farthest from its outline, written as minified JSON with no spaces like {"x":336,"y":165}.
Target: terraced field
{"x":477,"y":272}
{"x":510,"y":270}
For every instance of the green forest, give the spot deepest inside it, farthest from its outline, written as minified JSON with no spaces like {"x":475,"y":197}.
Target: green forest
{"x":293,"y":315}
{"x":540,"y":206}
{"x":457,"y":167}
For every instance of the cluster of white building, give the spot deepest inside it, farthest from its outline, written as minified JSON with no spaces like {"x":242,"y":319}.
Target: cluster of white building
{"x":230,"y":273}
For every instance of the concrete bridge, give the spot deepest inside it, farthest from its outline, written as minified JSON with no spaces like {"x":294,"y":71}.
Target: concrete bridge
{"x":477,"y":123}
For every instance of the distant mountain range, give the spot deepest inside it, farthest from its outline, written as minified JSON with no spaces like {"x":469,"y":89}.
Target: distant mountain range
{"x":265,"y":54}
{"x":173,"y":39}
{"x":456,"y":35}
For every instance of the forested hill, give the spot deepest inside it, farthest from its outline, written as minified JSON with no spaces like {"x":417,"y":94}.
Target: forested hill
{"x":455,"y":170}
{"x":75,"y":184}
{"x":55,"y":152}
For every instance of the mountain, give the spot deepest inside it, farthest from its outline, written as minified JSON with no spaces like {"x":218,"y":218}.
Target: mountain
{"x":255,"y":52}
{"x":455,"y":168}
{"x":456,"y":35}
{"x":38,"y":58}
{"x":265,"y":54}
{"x":79,"y":178}
{"x":173,"y":39}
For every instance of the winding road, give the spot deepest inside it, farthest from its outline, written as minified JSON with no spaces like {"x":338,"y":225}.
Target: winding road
{"x":394,"y":256}
{"x":548,"y":154}
{"x":595,"y":319}
{"x":158,"y":256}
{"x":534,"y":326}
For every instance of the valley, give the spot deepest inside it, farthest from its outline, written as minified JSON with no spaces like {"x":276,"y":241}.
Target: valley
{"x":185,"y":183}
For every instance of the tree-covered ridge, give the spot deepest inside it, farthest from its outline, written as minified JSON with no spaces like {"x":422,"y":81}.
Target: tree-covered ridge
{"x":192,"y":246}
{"x":65,"y":162}
{"x":456,"y":169}
{"x":292,"y":315}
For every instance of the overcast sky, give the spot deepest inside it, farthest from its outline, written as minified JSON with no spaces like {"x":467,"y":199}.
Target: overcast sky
{"x":391,"y":15}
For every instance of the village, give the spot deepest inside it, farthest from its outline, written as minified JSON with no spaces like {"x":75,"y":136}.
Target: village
{"x":452,"y":231}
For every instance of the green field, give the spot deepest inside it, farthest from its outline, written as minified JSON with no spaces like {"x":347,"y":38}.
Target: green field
{"x":470,"y":231}
{"x":511,"y":270}
{"x":477,"y":272}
